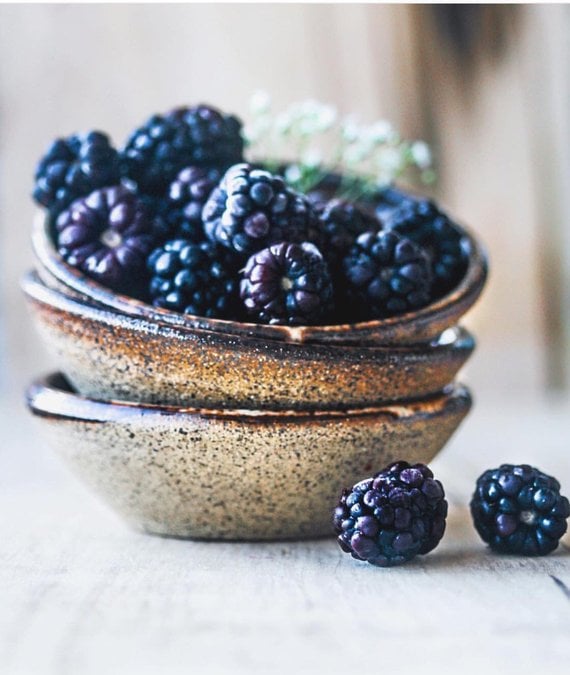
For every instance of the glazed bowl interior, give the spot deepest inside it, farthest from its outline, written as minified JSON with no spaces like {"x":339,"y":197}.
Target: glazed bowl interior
{"x":234,"y":474}
{"x":419,"y":326}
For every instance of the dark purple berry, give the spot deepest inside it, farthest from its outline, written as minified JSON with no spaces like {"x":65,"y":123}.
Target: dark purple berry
{"x":194,"y":278}
{"x":421,"y":221}
{"x":73,"y":167}
{"x":519,"y":509}
{"x":252,"y":209}
{"x":287,"y":284}
{"x":108,"y":235}
{"x":187,"y":195}
{"x":198,"y":136}
{"x":384,"y":275}
{"x":401,"y":513}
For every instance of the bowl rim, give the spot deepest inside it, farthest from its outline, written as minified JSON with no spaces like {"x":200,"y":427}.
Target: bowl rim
{"x":452,"y":338}
{"x":51,"y":396}
{"x":456,"y":302}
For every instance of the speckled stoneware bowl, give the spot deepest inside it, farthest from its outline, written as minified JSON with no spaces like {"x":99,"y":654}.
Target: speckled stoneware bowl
{"x":109,"y":355}
{"x":234,"y":474}
{"x":423,"y":325}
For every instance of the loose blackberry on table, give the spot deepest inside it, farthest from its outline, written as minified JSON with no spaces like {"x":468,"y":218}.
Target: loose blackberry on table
{"x":108,"y":235}
{"x":194,"y":278}
{"x":390,"y":518}
{"x":252,"y":209}
{"x":384,"y":275}
{"x":421,"y":221}
{"x":518,"y":509}
{"x":197,"y":136}
{"x":287,"y":284}
{"x":73,"y":167}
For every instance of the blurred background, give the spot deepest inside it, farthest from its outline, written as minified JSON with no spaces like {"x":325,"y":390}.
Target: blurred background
{"x":487,"y":86}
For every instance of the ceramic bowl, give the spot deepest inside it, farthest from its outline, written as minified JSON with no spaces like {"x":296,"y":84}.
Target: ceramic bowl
{"x":422,"y":325}
{"x":109,"y":355}
{"x":234,"y":474}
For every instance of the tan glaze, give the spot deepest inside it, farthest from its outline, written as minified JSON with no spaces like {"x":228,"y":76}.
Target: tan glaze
{"x":234,"y":474}
{"x":422,"y":325}
{"x":107,"y":355}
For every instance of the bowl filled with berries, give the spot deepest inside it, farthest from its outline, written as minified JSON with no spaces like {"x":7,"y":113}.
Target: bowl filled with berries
{"x":197,"y":270}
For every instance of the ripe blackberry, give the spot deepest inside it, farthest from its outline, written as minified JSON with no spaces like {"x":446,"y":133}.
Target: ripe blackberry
{"x":187,"y":195}
{"x":108,"y":235}
{"x":73,"y":167}
{"x":165,"y":144}
{"x":194,"y":278}
{"x":519,"y":509}
{"x":385,"y":274}
{"x":252,"y":209}
{"x":393,"y":516}
{"x":421,"y":221}
{"x":341,"y":223}
{"x":287,"y":284}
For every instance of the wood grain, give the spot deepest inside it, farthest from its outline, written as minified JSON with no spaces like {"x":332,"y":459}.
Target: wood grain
{"x":80,"y":594}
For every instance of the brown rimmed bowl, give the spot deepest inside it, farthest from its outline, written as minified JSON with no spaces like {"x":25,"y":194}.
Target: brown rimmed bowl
{"x":110,"y":355}
{"x":234,"y":474}
{"x":424,"y":325}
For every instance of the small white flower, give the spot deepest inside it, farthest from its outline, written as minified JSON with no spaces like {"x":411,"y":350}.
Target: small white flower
{"x":312,"y":158}
{"x":421,"y":154}
{"x":380,"y":132}
{"x":350,"y":130}
{"x":292,"y":173}
{"x":390,"y":161}
{"x":260,"y":103}
{"x":284,"y":122}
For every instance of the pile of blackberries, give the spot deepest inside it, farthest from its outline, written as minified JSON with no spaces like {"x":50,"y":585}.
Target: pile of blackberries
{"x":179,"y":219}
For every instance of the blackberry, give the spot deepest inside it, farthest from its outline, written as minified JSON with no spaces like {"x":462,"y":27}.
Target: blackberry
{"x":187,"y":195}
{"x":73,"y":167}
{"x":385,"y":274}
{"x":194,"y":278}
{"x":518,"y":509}
{"x":252,"y":209}
{"x":108,"y":235}
{"x":422,"y":222}
{"x":393,"y":516}
{"x":196,"y":136}
{"x":341,"y":223}
{"x":287,"y":284}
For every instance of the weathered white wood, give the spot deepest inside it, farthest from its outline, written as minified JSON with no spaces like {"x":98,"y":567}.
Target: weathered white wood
{"x":80,"y":594}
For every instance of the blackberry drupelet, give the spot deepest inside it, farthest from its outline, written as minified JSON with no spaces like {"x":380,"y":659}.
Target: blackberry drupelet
{"x":287,"y":284}
{"x":73,"y":167}
{"x":341,"y":223}
{"x":194,"y":278}
{"x":187,"y":195}
{"x":252,"y":209}
{"x":421,"y":221}
{"x":165,"y":144}
{"x":518,"y":509}
{"x":108,"y":235}
{"x":393,"y":516}
{"x":384,"y":275}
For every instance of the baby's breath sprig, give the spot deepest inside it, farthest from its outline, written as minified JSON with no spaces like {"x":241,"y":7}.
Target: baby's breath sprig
{"x":308,"y":140}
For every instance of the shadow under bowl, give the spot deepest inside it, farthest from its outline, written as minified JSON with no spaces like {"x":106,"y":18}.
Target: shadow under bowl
{"x":234,"y":474}
{"x":423,"y":325}
{"x":109,"y":355}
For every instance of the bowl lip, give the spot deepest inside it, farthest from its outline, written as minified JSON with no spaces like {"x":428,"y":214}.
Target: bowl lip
{"x":461,"y":297}
{"x":51,"y":396}
{"x":451,"y":339}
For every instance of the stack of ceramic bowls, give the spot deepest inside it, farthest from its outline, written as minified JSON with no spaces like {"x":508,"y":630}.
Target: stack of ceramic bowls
{"x":206,"y":428}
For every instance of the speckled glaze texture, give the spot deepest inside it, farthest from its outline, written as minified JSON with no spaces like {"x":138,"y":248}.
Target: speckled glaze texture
{"x":107,"y":355}
{"x":423,"y":325}
{"x":234,"y":474}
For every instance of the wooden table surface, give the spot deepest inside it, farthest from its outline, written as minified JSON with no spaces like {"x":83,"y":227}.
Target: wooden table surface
{"x":80,"y":593}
